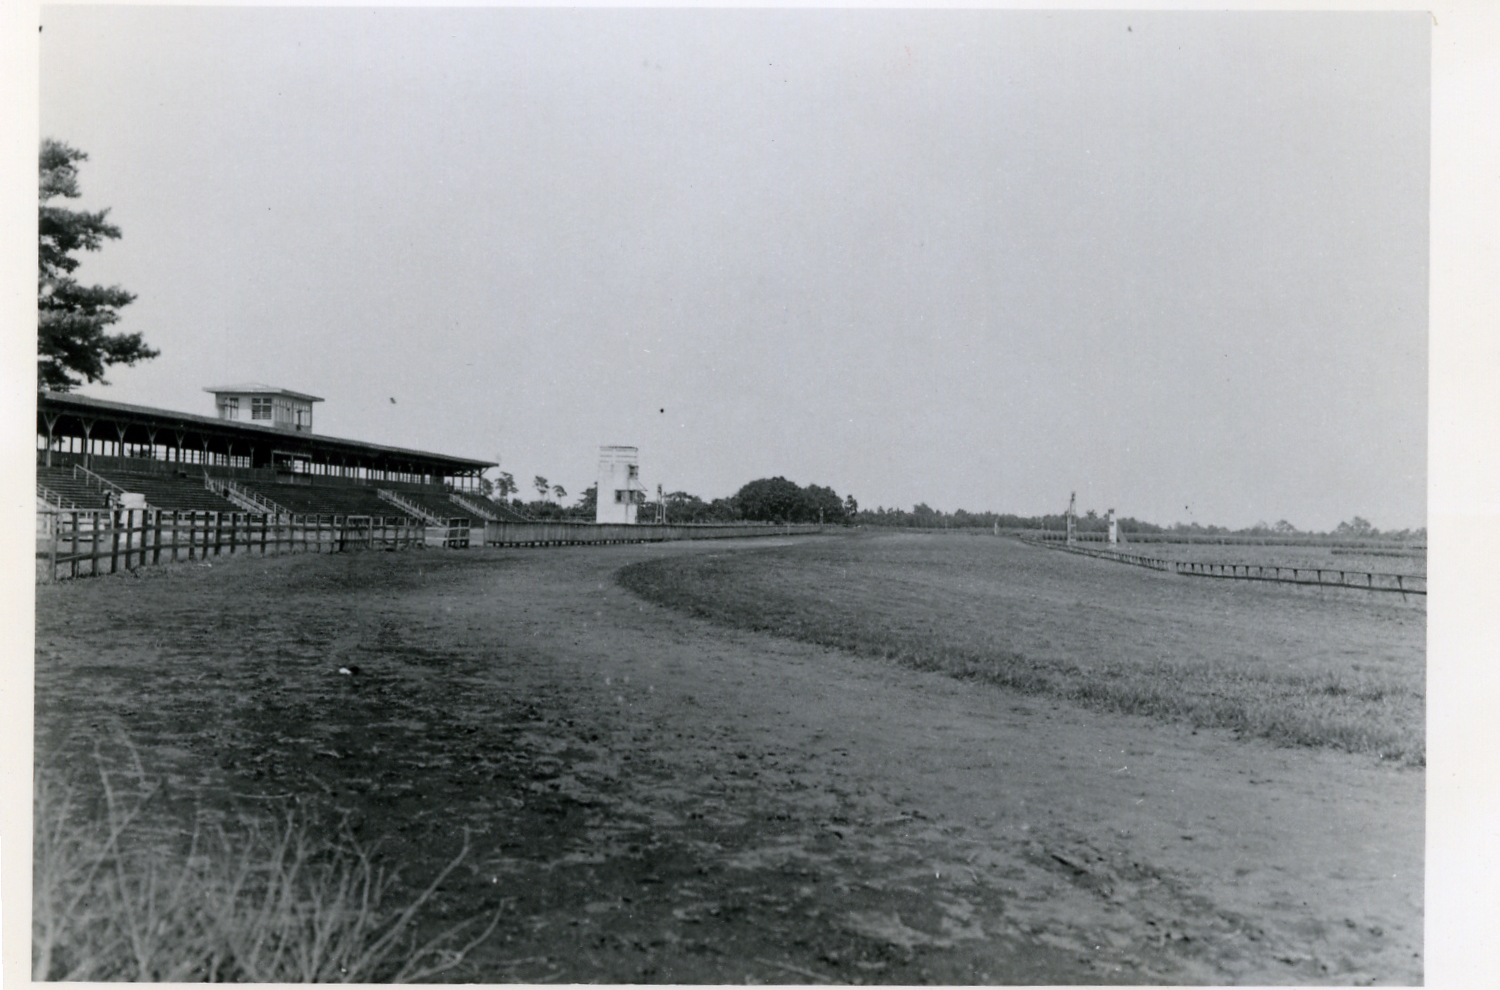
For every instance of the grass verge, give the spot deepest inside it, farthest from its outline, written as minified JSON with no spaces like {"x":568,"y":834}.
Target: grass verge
{"x":116,"y":895}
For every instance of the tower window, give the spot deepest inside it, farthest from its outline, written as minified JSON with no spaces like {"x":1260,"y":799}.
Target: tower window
{"x":260,"y":408}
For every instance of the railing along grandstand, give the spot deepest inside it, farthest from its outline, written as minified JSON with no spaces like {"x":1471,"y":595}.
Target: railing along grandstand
{"x":411,"y":508}
{"x":98,"y":481}
{"x":240,"y":495}
{"x":472,"y":504}
{"x":53,"y":499}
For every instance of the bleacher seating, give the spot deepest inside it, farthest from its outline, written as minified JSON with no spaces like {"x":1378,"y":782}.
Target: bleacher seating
{"x":173,"y":492}
{"x":78,"y":493}
{"x":326,"y":500}
{"x":440,"y":505}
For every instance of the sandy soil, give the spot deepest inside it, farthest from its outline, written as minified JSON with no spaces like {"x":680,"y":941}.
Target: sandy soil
{"x":653,"y":798}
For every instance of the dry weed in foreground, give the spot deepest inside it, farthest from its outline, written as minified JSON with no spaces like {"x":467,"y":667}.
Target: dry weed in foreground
{"x":266,"y":903}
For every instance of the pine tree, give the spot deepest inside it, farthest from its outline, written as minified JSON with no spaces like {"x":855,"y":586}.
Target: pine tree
{"x":71,"y":318}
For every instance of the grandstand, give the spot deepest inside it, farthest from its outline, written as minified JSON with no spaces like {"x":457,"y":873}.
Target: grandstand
{"x":97,"y":454}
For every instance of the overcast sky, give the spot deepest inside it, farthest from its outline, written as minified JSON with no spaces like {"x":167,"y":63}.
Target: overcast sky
{"x":1174,"y":262}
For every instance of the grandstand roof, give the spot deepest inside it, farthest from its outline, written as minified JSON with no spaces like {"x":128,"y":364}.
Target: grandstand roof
{"x":67,"y":412}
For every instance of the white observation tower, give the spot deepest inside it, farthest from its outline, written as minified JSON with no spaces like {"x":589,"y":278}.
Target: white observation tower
{"x":619,"y":491}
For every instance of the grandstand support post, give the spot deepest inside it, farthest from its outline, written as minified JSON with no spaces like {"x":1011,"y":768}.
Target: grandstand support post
{"x":88,"y":443}
{"x":51,"y":421}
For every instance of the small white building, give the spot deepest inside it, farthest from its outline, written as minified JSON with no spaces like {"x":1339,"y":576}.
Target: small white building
{"x":265,"y":405}
{"x":619,"y":492}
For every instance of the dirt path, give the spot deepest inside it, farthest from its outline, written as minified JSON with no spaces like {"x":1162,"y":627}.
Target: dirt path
{"x":656,"y":799}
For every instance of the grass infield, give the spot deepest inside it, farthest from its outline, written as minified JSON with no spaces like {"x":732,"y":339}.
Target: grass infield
{"x":1300,"y":667}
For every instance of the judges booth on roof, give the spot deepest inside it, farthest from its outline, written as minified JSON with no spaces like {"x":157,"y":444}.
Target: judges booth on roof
{"x":260,"y":433}
{"x":279,"y":408}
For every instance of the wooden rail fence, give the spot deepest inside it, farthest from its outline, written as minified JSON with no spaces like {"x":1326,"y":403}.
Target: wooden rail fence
{"x":79,"y":542}
{"x":553,"y":534}
{"x":82,"y":542}
{"x":1325,"y":577}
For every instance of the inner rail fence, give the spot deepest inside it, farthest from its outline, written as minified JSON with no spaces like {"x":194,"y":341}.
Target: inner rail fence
{"x":1323,"y":577}
{"x":76,"y":543}
{"x":556,"y":534}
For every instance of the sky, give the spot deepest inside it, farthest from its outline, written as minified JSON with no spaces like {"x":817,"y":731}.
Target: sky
{"x":1175,"y":262}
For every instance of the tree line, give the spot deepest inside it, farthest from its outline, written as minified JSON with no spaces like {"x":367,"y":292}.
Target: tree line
{"x":774,"y":500}
{"x":922,"y":516}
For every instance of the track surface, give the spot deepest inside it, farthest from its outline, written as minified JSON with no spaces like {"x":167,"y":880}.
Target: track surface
{"x":655,"y":799}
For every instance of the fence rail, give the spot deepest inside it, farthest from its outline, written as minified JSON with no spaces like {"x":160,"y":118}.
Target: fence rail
{"x":241,"y":495}
{"x":83,"y":542}
{"x":547,"y":534}
{"x":1323,"y":577}
{"x":97,"y":480}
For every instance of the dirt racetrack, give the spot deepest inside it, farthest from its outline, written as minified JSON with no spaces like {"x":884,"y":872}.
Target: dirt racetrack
{"x":652,"y":798}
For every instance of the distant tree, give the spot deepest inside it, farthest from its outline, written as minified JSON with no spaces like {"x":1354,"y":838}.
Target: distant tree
{"x":926,"y":516}
{"x":1282,"y":526}
{"x":822,"y":505}
{"x":851,"y":508}
{"x":588,"y":502}
{"x":72,"y":346}
{"x":504,"y":487}
{"x":560,"y":492}
{"x":684,"y":507}
{"x":542,"y":486}
{"x":1356,"y":527}
{"x":725,"y":510}
{"x":770,"y":500}
{"x":779,"y":500}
